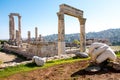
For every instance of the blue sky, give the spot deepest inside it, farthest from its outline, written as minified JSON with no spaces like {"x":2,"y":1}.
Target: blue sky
{"x":100,"y":14}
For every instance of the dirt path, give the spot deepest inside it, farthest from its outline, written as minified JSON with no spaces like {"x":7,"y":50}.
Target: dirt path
{"x":8,"y":57}
{"x":69,"y":71}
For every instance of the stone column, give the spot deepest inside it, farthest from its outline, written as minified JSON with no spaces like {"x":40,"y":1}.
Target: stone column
{"x":17,"y":38}
{"x":12,"y":29}
{"x":19,"y":26}
{"x":36,"y":34}
{"x":39,"y":37}
{"x":61,"y":33}
{"x":82,"y":35}
{"x":29,"y":36}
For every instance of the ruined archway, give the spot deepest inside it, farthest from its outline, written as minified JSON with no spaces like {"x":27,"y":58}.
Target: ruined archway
{"x":71,"y":11}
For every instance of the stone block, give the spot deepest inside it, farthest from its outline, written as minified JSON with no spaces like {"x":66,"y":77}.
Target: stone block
{"x":81,"y":54}
{"x":38,"y":60}
{"x":99,"y":52}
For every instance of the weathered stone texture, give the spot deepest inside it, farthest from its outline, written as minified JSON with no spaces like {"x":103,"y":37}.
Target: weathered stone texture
{"x":36,"y":33}
{"x":66,"y":9}
{"x":29,"y":37}
{"x":13,"y":38}
{"x":41,"y":49}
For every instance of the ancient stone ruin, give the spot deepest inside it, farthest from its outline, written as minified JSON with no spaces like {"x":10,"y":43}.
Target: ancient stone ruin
{"x":38,"y":47}
{"x":30,"y":47}
{"x":15,"y":37}
{"x":71,"y":11}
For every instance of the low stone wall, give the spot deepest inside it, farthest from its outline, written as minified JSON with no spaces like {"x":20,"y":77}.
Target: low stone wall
{"x":41,"y":49}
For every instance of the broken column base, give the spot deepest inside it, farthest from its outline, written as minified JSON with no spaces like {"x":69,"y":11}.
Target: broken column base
{"x":61,"y":48}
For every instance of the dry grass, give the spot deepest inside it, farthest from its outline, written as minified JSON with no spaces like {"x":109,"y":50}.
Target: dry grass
{"x":115,"y":48}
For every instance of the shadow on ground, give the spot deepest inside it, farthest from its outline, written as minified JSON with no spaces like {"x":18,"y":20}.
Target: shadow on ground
{"x":102,"y":71}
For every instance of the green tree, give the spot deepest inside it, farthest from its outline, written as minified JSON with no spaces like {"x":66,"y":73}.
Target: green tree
{"x":2,"y":41}
{"x":77,"y":42}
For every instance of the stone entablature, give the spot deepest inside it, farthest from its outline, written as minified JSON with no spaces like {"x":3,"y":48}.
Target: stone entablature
{"x":69,"y":10}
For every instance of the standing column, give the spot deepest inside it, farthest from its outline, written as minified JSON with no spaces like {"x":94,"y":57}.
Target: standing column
{"x":29,"y":36}
{"x":61,"y":34}
{"x":36,"y":34}
{"x":17,"y":38}
{"x":82,"y":35}
{"x":19,"y":26}
{"x":12,"y":28}
{"x":19,"y":23}
{"x":40,"y":37}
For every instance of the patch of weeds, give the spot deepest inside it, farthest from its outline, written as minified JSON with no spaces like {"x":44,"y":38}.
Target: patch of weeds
{"x":50,"y":61}
{"x":117,"y":53}
{"x":0,"y":49}
{"x":1,"y":62}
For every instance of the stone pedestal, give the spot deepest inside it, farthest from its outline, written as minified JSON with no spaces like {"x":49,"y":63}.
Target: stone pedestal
{"x":61,"y":48}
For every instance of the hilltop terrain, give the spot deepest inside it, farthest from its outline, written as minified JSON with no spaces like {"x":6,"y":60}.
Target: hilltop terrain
{"x":113,"y":35}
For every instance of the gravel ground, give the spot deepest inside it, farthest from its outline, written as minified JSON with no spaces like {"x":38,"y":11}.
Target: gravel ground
{"x":7,"y":57}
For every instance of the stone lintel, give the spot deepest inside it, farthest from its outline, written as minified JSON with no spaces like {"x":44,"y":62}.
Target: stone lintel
{"x":65,"y":6}
{"x":14,"y":14}
{"x":66,"y":9}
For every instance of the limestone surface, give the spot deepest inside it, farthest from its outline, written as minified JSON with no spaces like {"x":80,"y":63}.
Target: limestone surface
{"x":100,"y":52}
{"x":38,"y":60}
{"x":82,"y":54}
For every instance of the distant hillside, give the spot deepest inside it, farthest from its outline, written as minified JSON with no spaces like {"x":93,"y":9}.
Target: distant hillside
{"x":113,"y":35}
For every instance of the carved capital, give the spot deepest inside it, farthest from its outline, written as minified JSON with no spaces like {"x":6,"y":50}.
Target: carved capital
{"x":19,"y":17}
{"x":60,"y":15}
{"x":82,"y":21}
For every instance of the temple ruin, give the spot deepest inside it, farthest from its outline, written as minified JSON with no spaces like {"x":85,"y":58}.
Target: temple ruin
{"x":15,"y":38}
{"x":31,"y":46}
{"x":37,"y":46}
{"x":71,"y":11}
